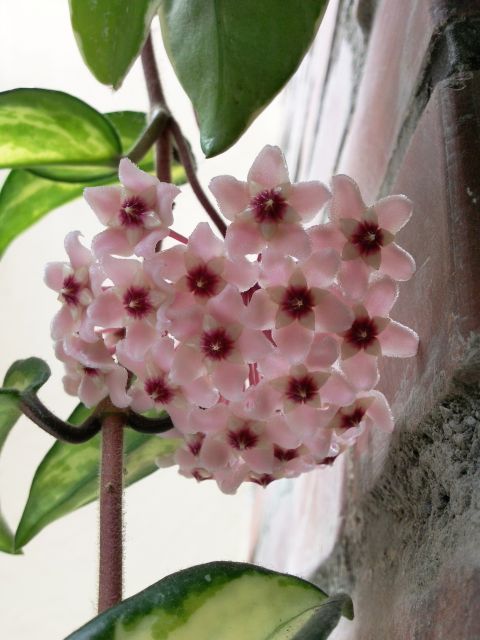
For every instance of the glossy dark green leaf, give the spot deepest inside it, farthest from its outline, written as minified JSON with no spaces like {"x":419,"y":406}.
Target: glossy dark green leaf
{"x":232,"y":58}
{"x":214,"y":601}
{"x":110,"y":34}
{"x":22,"y":375}
{"x":26,"y":198}
{"x":67,"y":477}
{"x":42,"y":127}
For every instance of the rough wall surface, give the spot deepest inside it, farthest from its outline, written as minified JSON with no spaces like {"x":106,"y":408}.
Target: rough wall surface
{"x":398,"y":525}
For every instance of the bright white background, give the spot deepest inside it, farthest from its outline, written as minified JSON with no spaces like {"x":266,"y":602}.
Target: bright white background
{"x":171,"y":522}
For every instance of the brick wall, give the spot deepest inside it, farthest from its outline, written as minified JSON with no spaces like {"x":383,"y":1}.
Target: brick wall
{"x":390,"y":94}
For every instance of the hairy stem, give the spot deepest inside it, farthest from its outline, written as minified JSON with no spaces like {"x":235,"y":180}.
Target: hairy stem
{"x":111,"y":513}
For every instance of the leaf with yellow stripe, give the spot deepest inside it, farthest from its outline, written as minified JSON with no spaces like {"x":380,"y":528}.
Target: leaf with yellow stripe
{"x":216,"y":601}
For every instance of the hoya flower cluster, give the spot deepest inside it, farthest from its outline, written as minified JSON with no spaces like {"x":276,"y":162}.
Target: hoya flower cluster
{"x":262,"y":347}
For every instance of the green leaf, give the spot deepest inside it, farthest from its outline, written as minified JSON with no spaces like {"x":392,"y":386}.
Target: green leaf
{"x":214,"y":601}
{"x":67,"y":477}
{"x":25,"y":198}
{"x":316,"y":623}
{"x":22,"y":375}
{"x":42,"y":127}
{"x":129,"y":125}
{"x":110,"y":34}
{"x":232,"y":58}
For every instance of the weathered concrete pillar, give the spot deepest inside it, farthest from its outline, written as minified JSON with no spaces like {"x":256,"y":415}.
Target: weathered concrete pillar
{"x":391,"y":95}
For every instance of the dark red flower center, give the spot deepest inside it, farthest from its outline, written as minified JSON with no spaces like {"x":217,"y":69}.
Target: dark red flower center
{"x":91,"y":372}
{"x":368,"y":238}
{"x":242,"y":439}
{"x":136,"y":301}
{"x":195,"y":443}
{"x":284,"y":455}
{"x":352,"y":420}
{"x":297,"y":301}
{"x":159,"y":390}
{"x":202,"y":282}
{"x":263,"y":480}
{"x":71,"y":290}
{"x":362,"y":333}
{"x":201,"y":474}
{"x":301,"y":390}
{"x":132,"y":212}
{"x":216,"y":344}
{"x":268,"y":206}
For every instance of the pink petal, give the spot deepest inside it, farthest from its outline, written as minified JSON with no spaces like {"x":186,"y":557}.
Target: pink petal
{"x":105,"y":202}
{"x":62,"y":323}
{"x":397,"y":263}
{"x":214,"y":454}
{"x":304,"y":420}
{"x":398,"y":340}
{"x":331,"y":314}
{"x":186,"y":318}
{"x":169,"y":264}
{"x":260,"y":460}
{"x":140,"y":401}
{"x":229,"y":479}
{"x":140,"y":336}
{"x":319,"y":443}
{"x":254,"y":345}
{"x":117,"y":383}
{"x":133,"y":178}
{"x":347,"y":201}
{"x":231,"y":195}
{"x":361,"y":371}
{"x":146,"y":248}
{"x":291,"y":239}
{"x":261,"y":400}
{"x":111,"y":242}
{"x":187,"y":365}
{"x":337,"y":390}
{"x":166,"y":194}
{"x":204,"y":243}
{"x":269,"y":168}
{"x":200,"y":392}
{"x":229,"y":378}
{"x":293,"y":341}
{"x":180,"y":418}
{"x":380,"y":413}
{"x":353,"y":278}
{"x":321,"y":267}
{"x":381,"y":297}
{"x":79,"y":255}
{"x":227,"y":306}
{"x":243,"y":239}
{"x":393,"y":212}
{"x":261,"y":311}
{"x":54,"y":275}
{"x":326,"y":236}
{"x":121,"y":272}
{"x":242,"y":273}
{"x":210,"y":420}
{"x":90,"y":392}
{"x":280,"y":433}
{"x":107,"y":311}
{"x":307,"y":198}
{"x":323,"y":352}
{"x":276,"y":268}
{"x":162,"y":352}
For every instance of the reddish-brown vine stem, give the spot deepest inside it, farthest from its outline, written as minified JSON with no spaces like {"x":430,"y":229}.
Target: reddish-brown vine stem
{"x":111,"y":512}
{"x":163,"y":146}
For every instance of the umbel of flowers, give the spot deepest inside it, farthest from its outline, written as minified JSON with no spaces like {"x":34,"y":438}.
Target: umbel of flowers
{"x":263,"y":347}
